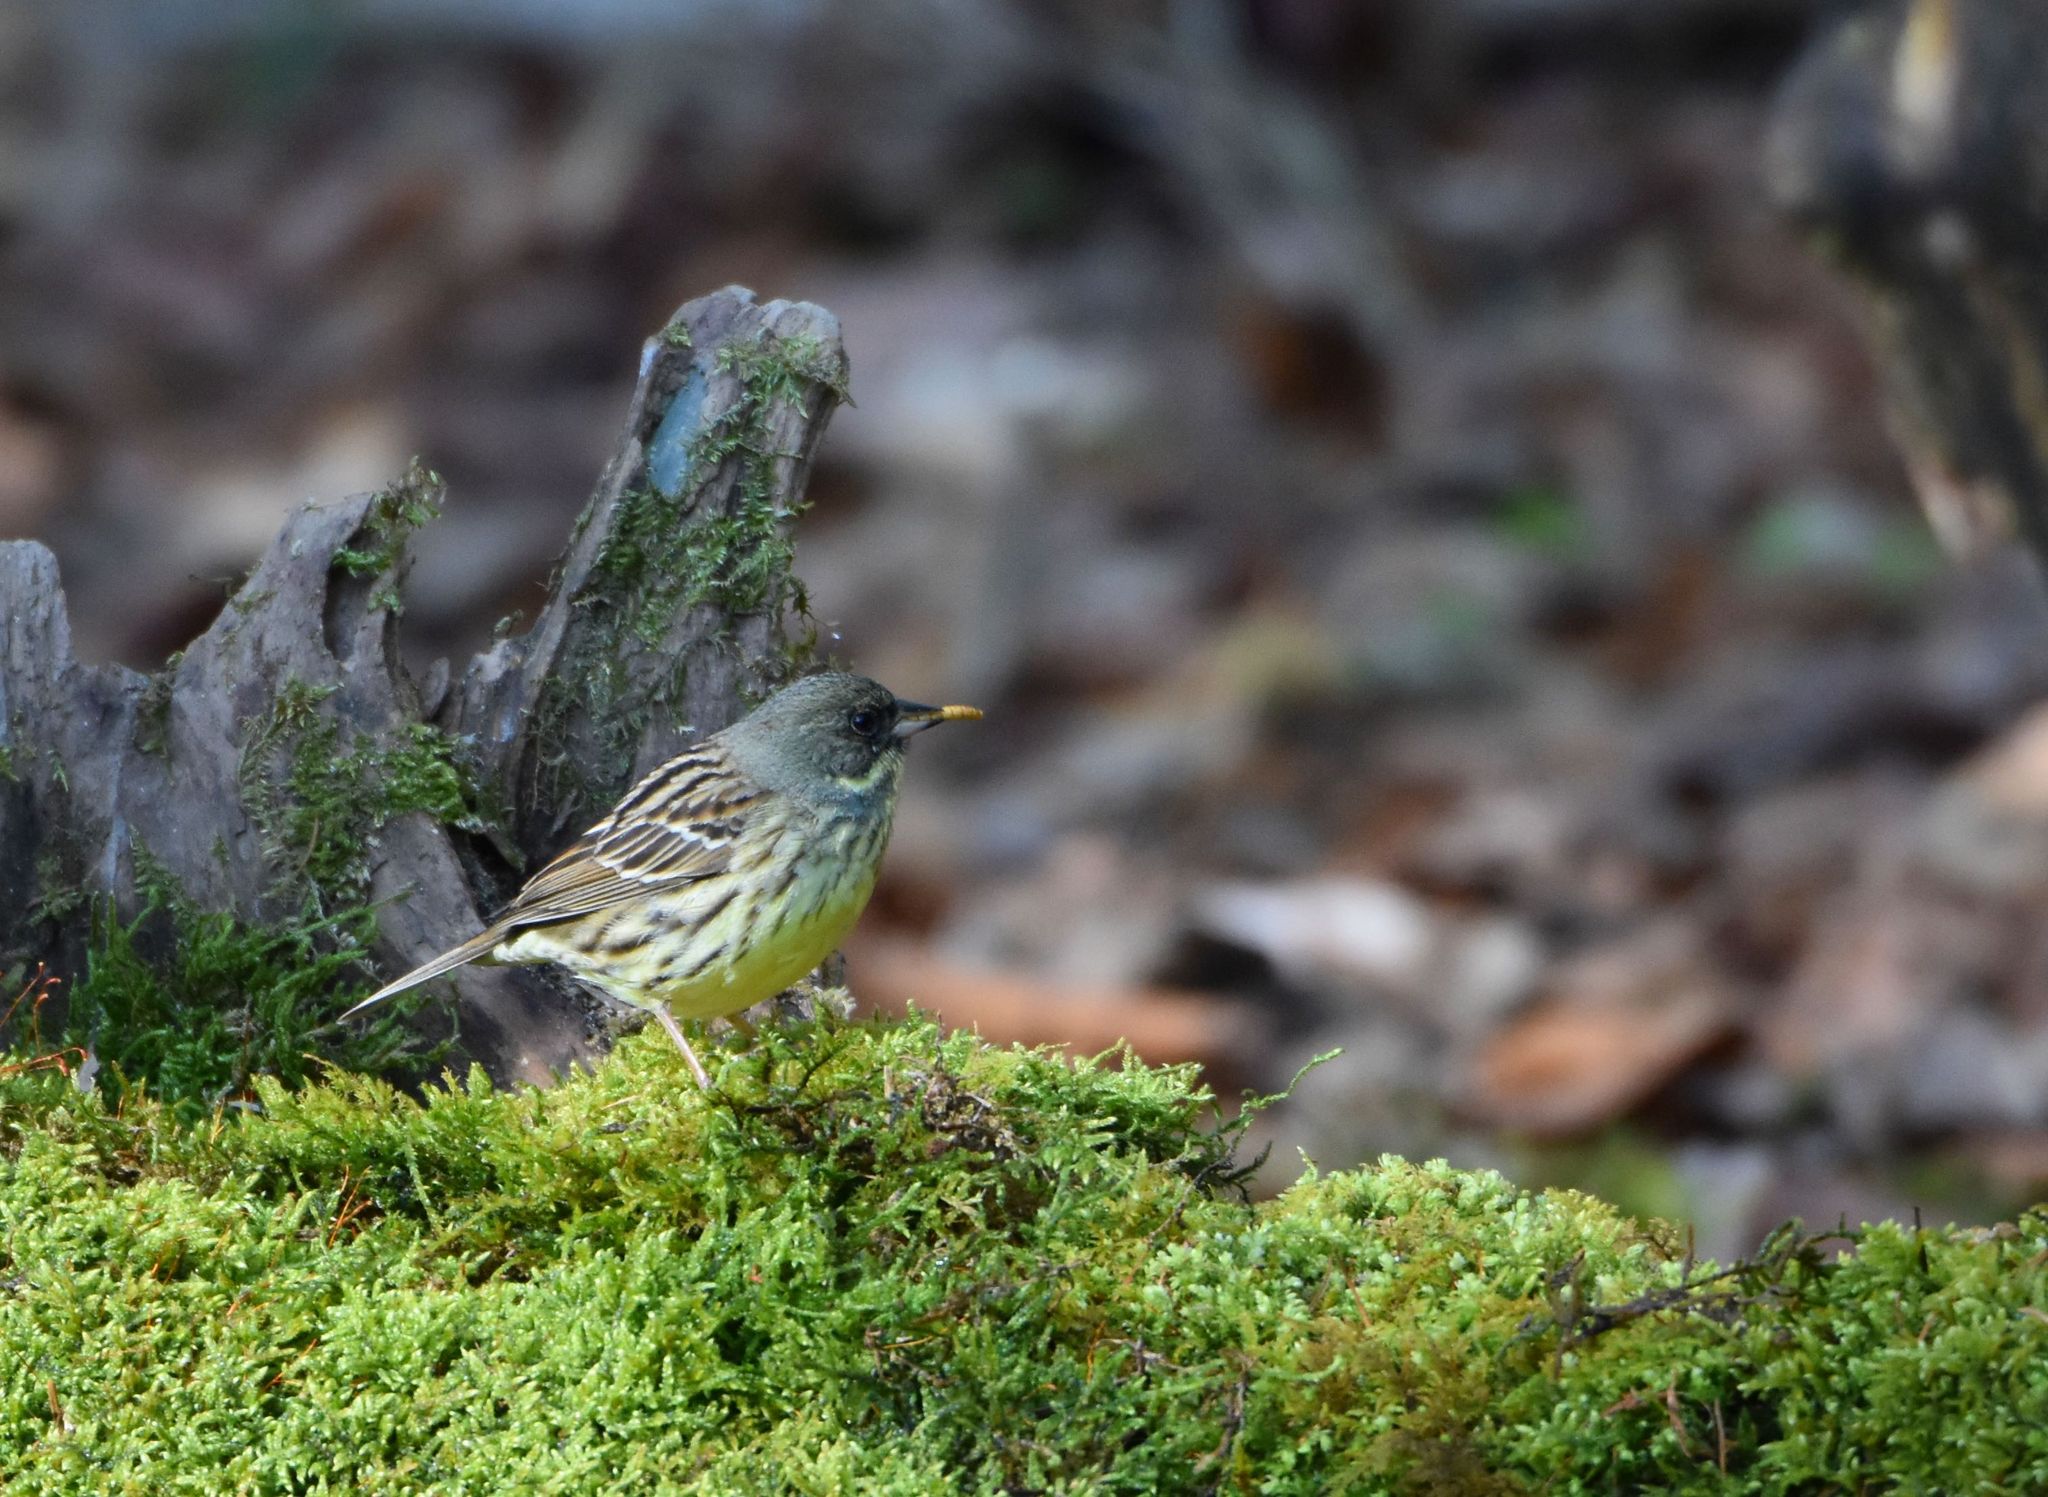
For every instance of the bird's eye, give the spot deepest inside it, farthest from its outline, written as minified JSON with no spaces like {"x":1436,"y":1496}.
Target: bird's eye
{"x":865,"y":722}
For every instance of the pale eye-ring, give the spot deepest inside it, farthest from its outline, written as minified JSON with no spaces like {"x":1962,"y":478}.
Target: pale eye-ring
{"x":865,"y":722}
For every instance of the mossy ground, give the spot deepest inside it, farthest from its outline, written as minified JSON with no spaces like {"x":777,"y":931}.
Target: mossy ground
{"x":879,"y":1260}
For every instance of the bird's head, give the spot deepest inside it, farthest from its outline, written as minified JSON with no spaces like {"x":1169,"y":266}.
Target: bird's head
{"x":833,"y":737}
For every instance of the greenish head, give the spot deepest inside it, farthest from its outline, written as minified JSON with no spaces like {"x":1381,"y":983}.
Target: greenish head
{"x":833,"y":738}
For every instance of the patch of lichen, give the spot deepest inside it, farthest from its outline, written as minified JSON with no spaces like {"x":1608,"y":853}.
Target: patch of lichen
{"x":876,"y":1259}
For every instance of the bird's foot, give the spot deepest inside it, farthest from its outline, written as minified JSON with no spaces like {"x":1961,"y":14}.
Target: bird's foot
{"x":675,"y":1032}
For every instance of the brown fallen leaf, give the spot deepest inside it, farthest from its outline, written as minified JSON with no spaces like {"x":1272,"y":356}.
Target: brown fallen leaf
{"x":1882,"y":958}
{"x":2012,"y":1161}
{"x":1619,"y":1025}
{"x":1568,"y":1068}
{"x":889,"y":974}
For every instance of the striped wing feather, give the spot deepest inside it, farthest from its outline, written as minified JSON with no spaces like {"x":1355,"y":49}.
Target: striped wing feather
{"x":677,"y":825}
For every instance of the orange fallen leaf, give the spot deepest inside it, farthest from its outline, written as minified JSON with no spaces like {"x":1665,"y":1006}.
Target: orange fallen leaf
{"x":1570,"y":1066}
{"x":888,"y":974}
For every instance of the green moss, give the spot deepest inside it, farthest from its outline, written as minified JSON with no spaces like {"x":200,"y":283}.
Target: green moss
{"x":319,"y":803}
{"x":320,"y":799}
{"x":230,"y":1000}
{"x":7,"y":770}
{"x":153,"y":710}
{"x":657,"y":560}
{"x":220,"y":1003}
{"x":1547,"y":522}
{"x":59,"y":894}
{"x":878,"y":1260}
{"x":394,"y":514}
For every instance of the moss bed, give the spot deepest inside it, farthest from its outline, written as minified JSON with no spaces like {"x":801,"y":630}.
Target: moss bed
{"x":880,"y":1260}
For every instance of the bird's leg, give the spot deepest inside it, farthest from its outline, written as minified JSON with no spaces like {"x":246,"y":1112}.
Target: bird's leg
{"x":675,"y":1033}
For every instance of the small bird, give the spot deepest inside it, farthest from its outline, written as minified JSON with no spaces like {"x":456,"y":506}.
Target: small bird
{"x":728,"y":872}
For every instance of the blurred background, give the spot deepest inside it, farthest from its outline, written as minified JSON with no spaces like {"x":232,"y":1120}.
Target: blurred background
{"x":1424,"y":533}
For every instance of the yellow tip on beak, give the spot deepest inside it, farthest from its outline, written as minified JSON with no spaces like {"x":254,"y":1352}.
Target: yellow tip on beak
{"x":915,"y":717}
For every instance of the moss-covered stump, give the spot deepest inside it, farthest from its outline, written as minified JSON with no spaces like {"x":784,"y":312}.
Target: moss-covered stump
{"x":286,"y":771}
{"x":876,"y":1260}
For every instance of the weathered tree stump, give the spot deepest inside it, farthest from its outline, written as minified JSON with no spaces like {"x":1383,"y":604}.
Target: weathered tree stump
{"x":286,"y":762}
{"x":1912,"y":143}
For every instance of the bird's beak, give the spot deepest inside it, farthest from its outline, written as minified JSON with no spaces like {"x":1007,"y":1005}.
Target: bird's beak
{"x":915,"y":717}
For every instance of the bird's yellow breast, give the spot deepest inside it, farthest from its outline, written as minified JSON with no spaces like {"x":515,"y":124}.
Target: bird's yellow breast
{"x":772,"y":956}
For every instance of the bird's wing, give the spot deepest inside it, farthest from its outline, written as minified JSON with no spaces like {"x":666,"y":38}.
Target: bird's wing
{"x":678,"y":824}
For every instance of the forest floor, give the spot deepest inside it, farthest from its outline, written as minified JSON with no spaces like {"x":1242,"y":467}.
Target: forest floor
{"x":1425,"y":536}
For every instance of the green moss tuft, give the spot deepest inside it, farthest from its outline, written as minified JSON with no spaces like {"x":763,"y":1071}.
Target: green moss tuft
{"x":192,"y":1006}
{"x":153,"y":710}
{"x":394,"y":514}
{"x":319,"y":805}
{"x":60,"y":892}
{"x":876,"y":1259}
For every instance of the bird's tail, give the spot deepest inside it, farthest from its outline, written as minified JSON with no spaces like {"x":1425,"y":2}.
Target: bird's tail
{"x":447,"y":961}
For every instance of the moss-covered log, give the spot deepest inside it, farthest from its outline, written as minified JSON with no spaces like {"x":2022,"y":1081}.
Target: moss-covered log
{"x":876,"y":1260}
